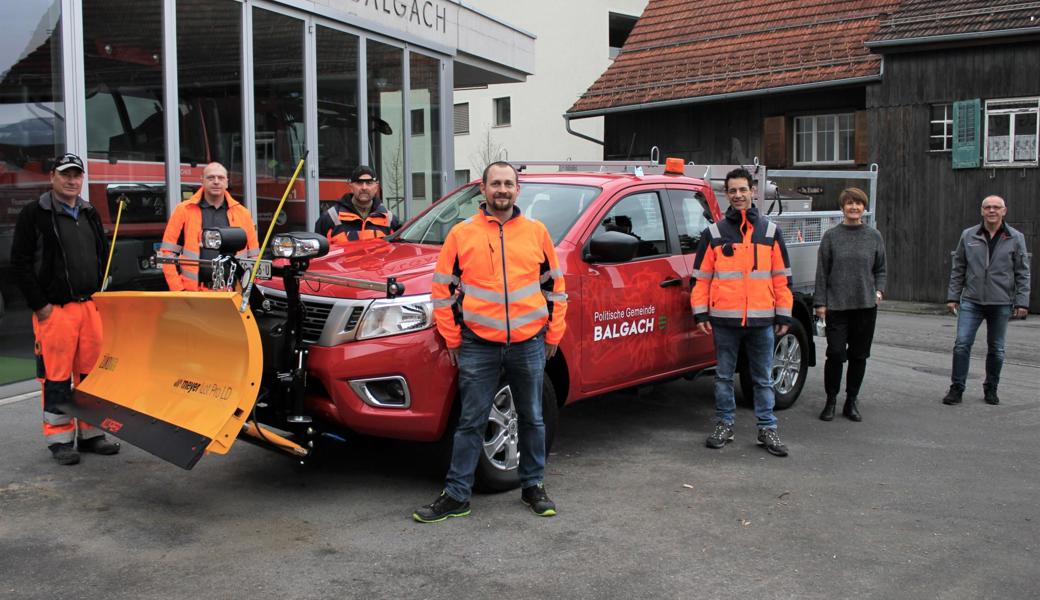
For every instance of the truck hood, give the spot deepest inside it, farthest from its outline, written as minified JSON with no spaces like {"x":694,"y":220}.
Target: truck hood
{"x":375,"y":260}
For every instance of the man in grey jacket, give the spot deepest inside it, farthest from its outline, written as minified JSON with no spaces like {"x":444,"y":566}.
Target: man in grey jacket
{"x":989,"y":282}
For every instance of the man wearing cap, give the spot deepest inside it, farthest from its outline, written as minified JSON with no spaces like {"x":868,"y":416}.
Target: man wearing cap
{"x":211,"y":206}
{"x":358,"y":215}
{"x":57,"y":258}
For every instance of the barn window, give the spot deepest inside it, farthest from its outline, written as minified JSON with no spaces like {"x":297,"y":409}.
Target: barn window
{"x":1011,"y":132}
{"x":940,"y":132}
{"x":825,"y":139}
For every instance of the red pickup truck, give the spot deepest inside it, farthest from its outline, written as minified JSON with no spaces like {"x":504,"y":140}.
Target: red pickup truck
{"x":626,"y":243}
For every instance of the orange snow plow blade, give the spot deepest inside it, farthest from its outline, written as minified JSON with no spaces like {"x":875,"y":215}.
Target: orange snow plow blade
{"x":178,"y":375}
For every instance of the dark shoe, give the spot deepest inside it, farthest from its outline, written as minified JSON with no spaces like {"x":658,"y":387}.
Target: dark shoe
{"x":851,"y":411}
{"x":953,"y":396}
{"x":535,"y":497}
{"x":65,"y":454}
{"x":770,"y":440}
{"x":991,"y":396}
{"x":828,"y":409}
{"x":722,"y":435}
{"x":440,"y":509}
{"x":99,"y":445}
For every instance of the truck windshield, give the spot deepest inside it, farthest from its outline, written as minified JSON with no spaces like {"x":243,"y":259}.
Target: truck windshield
{"x":556,"y":205}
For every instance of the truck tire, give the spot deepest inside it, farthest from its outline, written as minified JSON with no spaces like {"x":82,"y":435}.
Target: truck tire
{"x":497,"y":467}
{"x":790,"y":366}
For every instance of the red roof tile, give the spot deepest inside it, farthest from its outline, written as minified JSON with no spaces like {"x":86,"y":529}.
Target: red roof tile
{"x":682,"y":49}
{"x":916,"y":19}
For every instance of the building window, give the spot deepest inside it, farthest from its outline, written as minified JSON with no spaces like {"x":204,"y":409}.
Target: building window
{"x":620,"y":27}
{"x":462,"y":118}
{"x":419,"y":185}
{"x":1011,"y":132}
{"x":418,"y":122}
{"x":940,"y":128}
{"x":825,"y":139}
{"x":461,"y":177}
{"x":502,"y":117}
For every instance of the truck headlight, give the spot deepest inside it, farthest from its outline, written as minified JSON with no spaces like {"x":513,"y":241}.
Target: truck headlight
{"x":299,"y":245}
{"x":226,"y":240}
{"x":400,"y":315}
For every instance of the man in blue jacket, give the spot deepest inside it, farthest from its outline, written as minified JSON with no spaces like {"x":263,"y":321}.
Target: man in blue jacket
{"x":989,"y":282}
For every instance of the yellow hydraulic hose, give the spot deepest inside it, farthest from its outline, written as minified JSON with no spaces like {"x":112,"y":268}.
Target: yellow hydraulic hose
{"x":111,"y":249}
{"x":270,"y":230}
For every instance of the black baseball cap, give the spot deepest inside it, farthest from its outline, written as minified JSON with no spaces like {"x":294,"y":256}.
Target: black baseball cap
{"x":363,"y":170}
{"x":67,"y":161}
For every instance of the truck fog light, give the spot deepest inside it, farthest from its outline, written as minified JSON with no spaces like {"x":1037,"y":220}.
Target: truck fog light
{"x":383,"y":392}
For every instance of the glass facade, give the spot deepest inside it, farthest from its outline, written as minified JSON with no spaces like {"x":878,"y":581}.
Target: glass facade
{"x":256,"y":86}
{"x":32,"y":133}
{"x":386,"y":121}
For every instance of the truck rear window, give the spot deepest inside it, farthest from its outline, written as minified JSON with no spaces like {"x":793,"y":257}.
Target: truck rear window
{"x":556,"y":205}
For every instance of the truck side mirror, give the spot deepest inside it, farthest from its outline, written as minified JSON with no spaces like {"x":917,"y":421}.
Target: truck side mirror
{"x":611,"y":247}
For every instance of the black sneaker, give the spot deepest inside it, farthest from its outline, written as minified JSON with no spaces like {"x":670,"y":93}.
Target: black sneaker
{"x":991,"y":396}
{"x":99,"y":445}
{"x":722,"y":435}
{"x":440,"y":509}
{"x":535,"y":497}
{"x":65,"y":454}
{"x":953,"y":396}
{"x":770,"y":440}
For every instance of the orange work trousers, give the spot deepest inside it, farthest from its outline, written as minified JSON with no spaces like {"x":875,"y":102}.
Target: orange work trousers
{"x":68,"y":343}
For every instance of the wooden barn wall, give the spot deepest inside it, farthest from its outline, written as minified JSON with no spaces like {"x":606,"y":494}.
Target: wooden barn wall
{"x":725,"y":132}
{"x":924,"y":204}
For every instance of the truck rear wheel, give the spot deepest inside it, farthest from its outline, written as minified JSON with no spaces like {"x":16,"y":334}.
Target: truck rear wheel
{"x":500,"y":459}
{"x":790,"y":366}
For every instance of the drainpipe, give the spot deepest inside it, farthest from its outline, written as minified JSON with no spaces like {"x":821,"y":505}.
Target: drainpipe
{"x":567,"y":122}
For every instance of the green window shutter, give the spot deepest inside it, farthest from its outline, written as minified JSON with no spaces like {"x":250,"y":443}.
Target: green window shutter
{"x":966,"y":133}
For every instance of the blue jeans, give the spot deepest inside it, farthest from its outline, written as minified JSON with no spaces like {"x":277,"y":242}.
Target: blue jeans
{"x":481,"y":367}
{"x":969,"y":319}
{"x":758,"y":343}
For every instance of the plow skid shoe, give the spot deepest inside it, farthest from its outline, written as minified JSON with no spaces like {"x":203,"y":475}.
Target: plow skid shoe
{"x":178,"y":375}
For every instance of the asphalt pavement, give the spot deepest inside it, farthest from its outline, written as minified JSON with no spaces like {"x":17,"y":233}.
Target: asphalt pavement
{"x":920,"y":500}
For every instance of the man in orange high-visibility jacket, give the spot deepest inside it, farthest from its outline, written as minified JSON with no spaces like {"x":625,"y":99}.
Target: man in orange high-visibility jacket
{"x":499,"y":303}
{"x":211,"y":206}
{"x":57,"y":256}
{"x":358,"y":215}
{"x":742,"y":294}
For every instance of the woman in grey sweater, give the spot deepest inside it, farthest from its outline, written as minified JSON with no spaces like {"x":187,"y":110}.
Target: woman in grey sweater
{"x":850,"y":283}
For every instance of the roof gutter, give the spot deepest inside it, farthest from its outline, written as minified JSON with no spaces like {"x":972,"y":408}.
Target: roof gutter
{"x":718,"y":97}
{"x":953,"y":37}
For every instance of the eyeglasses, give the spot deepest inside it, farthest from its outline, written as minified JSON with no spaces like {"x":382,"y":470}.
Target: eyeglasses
{"x":366,"y":181}
{"x":992,"y":207}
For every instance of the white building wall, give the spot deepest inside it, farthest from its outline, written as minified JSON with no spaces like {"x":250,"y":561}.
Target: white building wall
{"x":571,"y":51}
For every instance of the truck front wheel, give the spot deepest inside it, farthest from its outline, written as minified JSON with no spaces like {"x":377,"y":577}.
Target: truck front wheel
{"x":790,"y":367}
{"x":500,"y":458}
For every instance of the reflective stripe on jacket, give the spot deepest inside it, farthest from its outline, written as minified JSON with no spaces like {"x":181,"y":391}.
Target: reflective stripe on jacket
{"x":741,"y":275}
{"x":183,"y":238}
{"x":501,"y":281}
{"x":342,"y":223}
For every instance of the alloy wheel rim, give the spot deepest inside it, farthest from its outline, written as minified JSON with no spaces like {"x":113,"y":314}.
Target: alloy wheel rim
{"x":501,"y":438}
{"x":787,"y":364}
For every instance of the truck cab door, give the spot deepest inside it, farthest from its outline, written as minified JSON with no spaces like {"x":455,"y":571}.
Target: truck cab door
{"x":629,"y":307}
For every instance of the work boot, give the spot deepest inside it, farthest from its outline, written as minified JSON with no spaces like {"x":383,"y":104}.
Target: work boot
{"x":722,"y":435}
{"x":770,"y":440}
{"x":990,"y":395}
{"x":65,"y":454}
{"x":851,"y":411}
{"x":535,"y":497}
{"x":440,"y":509}
{"x":953,"y":396}
{"x":828,"y":409}
{"x":99,"y":445}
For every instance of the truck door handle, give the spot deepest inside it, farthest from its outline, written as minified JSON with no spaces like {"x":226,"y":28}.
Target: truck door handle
{"x":670,"y":282}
